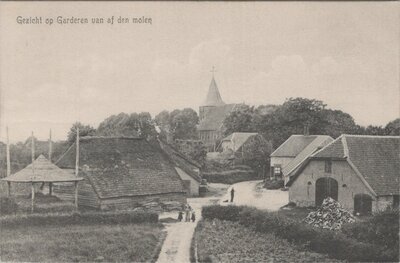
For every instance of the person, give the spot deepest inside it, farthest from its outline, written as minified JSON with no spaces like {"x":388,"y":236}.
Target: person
{"x":232,"y":194}
{"x":180,"y":216}
{"x":187,"y":213}
{"x":193,"y":216}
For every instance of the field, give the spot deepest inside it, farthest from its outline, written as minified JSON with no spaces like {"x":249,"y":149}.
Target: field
{"x":225,"y":241}
{"x":73,"y":243}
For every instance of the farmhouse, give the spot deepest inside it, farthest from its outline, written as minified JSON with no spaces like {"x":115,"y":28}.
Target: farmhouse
{"x":286,"y":159}
{"x":361,"y":172}
{"x":212,"y":115}
{"x":188,"y":169}
{"x":121,"y":173}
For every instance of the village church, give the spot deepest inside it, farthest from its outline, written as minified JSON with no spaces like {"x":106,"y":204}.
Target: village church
{"x":212,"y":114}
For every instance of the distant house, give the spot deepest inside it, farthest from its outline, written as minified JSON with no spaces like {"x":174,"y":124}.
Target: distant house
{"x":295,"y":150}
{"x":237,"y":141}
{"x":121,"y":173}
{"x":212,"y":114}
{"x":361,"y":172}
{"x":188,"y":169}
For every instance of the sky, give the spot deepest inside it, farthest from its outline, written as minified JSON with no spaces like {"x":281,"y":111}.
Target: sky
{"x":345,"y":54}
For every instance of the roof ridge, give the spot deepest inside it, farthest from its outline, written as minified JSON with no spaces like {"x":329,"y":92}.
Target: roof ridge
{"x":345,"y":147}
{"x":323,"y":148}
{"x":371,"y":136}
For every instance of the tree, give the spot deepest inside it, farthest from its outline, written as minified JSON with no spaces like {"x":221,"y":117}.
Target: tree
{"x":179,"y":124}
{"x":336,"y":122}
{"x":256,"y":152}
{"x":239,"y":120}
{"x":129,"y":125}
{"x":393,"y":127}
{"x":84,"y":130}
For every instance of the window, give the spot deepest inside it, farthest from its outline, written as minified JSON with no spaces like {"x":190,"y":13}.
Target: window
{"x":277,"y":170}
{"x":328,"y":166}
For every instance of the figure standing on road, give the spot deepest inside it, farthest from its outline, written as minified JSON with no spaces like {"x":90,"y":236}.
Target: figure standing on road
{"x":187,"y":213}
{"x":180,"y":216}
{"x":232,"y":194}
{"x":193,"y":216}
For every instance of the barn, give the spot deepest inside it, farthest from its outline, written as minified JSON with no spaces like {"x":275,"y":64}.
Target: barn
{"x":287,"y":158}
{"x":121,"y":173}
{"x":361,"y":172}
{"x":188,"y":169}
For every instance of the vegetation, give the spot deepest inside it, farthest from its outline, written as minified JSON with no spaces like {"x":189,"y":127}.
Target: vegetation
{"x":222,"y":241}
{"x":178,"y":124}
{"x":336,"y":244}
{"x":7,"y":206}
{"x":129,"y":125}
{"x":88,"y":218}
{"x":272,"y":184}
{"x":76,"y":243}
{"x":84,"y":130}
{"x":297,"y":116}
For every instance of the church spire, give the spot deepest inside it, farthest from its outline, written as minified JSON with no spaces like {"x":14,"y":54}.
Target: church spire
{"x":213,"y":96}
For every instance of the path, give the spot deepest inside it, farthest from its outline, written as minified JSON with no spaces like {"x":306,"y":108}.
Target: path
{"x":176,"y":246}
{"x":247,"y":193}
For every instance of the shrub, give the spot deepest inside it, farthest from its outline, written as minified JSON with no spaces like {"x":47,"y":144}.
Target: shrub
{"x":78,"y":218}
{"x":381,"y":229}
{"x":230,"y":213}
{"x":274,"y":184}
{"x":7,"y":206}
{"x":335,"y":244}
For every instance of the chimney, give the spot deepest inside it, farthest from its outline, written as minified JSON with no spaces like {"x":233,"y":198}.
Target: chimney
{"x":306,"y":130}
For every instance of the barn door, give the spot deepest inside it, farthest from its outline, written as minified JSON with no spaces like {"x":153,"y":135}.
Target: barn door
{"x":362,"y":204}
{"x":325,"y":187}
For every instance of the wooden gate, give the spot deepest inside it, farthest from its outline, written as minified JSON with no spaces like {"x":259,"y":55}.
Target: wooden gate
{"x":362,"y":204}
{"x":325,"y":187}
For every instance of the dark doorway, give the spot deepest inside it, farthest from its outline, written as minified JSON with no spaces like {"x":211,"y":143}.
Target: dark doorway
{"x":325,"y":187}
{"x":362,"y":204}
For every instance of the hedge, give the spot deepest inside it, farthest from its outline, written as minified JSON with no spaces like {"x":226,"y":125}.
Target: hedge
{"x":335,"y":244}
{"x":229,"y":177}
{"x":80,"y":218}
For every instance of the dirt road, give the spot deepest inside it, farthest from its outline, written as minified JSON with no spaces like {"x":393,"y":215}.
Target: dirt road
{"x":252,"y":194}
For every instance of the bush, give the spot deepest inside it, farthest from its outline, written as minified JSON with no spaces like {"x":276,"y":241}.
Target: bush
{"x":229,"y":176}
{"x":381,"y":229}
{"x":7,"y":206}
{"x":230,"y":213}
{"x":274,"y":184}
{"x":82,"y":219}
{"x":335,"y":244}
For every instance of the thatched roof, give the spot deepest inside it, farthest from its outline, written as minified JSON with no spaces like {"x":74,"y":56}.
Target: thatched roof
{"x":123,"y":166}
{"x":41,"y":170}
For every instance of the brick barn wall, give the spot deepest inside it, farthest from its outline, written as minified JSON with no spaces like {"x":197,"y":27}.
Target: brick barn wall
{"x":304,"y":195}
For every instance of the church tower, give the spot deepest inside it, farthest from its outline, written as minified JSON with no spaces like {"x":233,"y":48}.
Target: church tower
{"x":212,"y":101}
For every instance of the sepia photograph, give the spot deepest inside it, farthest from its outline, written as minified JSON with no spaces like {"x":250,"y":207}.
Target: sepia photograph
{"x":199,"y":131}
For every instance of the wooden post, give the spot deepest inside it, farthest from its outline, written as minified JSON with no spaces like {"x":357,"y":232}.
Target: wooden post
{"x":33,"y":197}
{"x":76,"y":194}
{"x":33,"y":156}
{"x":77,"y":153}
{"x":8,"y":156}
{"x":50,"y":188}
{"x":9,"y":188}
{"x":50,"y":147}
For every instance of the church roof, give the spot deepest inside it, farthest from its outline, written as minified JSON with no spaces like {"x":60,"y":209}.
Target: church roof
{"x":214,"y":119}
{"x":213,"y":96}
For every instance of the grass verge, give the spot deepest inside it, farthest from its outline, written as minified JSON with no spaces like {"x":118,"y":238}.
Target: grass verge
{"x":76,"y":243}
{"x":225,"y":241}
